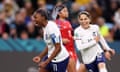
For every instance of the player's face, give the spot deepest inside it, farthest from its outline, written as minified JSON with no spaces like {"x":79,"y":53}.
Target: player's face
{"x":38,"y":19}
{"x":64,"y":13}
{"x":84,"y":20}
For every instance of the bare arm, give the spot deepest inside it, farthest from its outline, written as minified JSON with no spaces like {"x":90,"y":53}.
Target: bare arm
{"x":55,"y":52}
{"x":37,"y":59}
{"x":43,"y":53}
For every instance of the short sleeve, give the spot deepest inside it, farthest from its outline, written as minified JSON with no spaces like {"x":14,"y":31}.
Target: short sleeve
{"x":54,"y":33}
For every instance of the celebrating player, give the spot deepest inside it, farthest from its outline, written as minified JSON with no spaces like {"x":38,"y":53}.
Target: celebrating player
{"x":87,"y":37}
{"x":57,"y":55}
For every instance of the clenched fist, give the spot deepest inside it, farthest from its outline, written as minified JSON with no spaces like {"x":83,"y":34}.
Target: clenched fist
{"x":36,"y":59}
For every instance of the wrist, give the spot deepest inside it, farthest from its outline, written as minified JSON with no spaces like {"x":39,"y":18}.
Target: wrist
{"x":105,"y":50}
{"x":108,"y":51}
{"x":39,"y":57}
{"x":47,"y":61}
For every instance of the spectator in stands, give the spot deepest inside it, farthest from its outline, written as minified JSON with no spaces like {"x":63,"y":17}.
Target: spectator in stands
{"x":73,"y":15}
{"x":24,"y":35}
{"x":116,"y":31}
{"x":13,"y":31}
{"x":32,"y":32}
{"x":117,"y":17}
{"x":4,"y":28}
{"x":67,"y":3}
{"x":41,"y":4}
{"x":104,"y":29}
{"x":29,"y":7}
{"x":5,"y":36}
{"x":10,"y":8}
{"x":113,"y":9}
{"x":59,"y":2}
{"x":27,"y":18}
{"x":29,"y":10}
{"x":94,"y":9}
{"x":19,"y":22}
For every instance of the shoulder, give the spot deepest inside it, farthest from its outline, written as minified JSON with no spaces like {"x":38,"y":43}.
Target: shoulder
{"x":94,"y":26}
{"x":52,"y":24}
{"x":52,"y":27}
{"x":77,"y":29}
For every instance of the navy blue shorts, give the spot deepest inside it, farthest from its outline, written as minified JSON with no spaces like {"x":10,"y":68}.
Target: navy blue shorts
{"x":93,"y":67}
{"x":57,"y":66}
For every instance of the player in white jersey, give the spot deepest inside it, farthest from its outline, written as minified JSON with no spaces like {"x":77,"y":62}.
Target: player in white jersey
{"x":87,"y":37}
{"x":57,"y":56}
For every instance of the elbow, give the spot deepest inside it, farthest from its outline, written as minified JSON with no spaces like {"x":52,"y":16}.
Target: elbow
{"x":58,"y":48}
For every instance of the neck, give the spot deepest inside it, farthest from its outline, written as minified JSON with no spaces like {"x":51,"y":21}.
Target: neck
{"x":45,"y":23}
{"x":62,"y":19}
{"x":85,"y":26}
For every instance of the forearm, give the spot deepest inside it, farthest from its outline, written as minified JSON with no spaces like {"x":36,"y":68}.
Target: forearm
{"x":104,"y":43}
{"x":55,"y":52}
{"x":43,"y":53}
{"x":81,"y":46}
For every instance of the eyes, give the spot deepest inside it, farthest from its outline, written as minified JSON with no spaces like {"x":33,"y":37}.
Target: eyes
{"x":83,"y":19}
{"x":64,"y":10}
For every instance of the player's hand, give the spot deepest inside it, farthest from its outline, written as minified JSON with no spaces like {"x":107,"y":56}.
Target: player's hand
{"x":36,"y":59}
{"x":97,"y":38}
{"x":112,"y":51}
{"x":65,"y":41}
{"x":108,"y":55}
{"x":43,"y":64}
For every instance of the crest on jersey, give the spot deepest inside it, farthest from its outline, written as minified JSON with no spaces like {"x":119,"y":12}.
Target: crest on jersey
{"x":94,"y":34}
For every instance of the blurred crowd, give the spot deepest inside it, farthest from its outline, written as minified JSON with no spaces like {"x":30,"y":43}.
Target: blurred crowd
{"x":15,"y":16}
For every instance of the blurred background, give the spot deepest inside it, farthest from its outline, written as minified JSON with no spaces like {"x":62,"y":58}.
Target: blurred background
{"x":20,"y":40}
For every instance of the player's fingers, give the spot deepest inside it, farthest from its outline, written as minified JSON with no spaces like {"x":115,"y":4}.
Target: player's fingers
{"x":113,"y":52}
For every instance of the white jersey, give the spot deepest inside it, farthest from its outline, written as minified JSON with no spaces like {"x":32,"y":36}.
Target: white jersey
{"x":85,"y":42}
{"x":51,"y":36}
